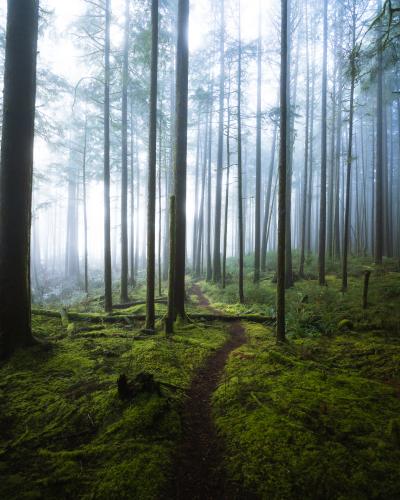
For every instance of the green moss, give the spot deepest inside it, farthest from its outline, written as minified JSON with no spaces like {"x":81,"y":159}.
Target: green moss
{"x":318,"y":416}
{"x":65,"y":434}
{"x":345,"y":324}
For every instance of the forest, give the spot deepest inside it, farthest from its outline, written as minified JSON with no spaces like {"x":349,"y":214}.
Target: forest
{"x":200,"y":249}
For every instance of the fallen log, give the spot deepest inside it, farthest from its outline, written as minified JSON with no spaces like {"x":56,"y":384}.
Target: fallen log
{"x":253,"y":318}
{"x":91,"y":317}
{"x":128,"y":318}
{"x":138,"y":303}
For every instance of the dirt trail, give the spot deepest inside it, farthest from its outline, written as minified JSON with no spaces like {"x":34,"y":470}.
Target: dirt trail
{"x":199,"y":472}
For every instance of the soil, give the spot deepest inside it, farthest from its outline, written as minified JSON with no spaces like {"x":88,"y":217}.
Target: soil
{"x":199,"y":471}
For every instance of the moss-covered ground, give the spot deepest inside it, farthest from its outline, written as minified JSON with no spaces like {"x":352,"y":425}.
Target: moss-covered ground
{"x":318,"y":417}
{"x":315,"y":418}
{"x":64,"y":433}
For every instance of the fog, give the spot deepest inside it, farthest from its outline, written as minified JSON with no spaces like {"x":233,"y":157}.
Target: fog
{"x":69,"y":137}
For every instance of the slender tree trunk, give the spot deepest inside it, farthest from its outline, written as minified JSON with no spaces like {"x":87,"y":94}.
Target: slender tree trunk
{"x":132,"y":205}
{"x":379,"y":219}
{"x":152,"y":172}
{"x":196,"y":196}
{"x":305,"y":175}
{"x":336,"y":221}
{"x":16,"y":174}
{"x":218,"y":190}
{"x":169,"y":322}
{"x":257,"y":228}
{"x":289,"y":154}
{"x":268,"y":205}
{"x":311,"y":158}
{"x":199,"y":251}
{"x":209,"y":187}
{"x":160,"y":160}
{"x":85,"y":220}
{"x":124,"y":164}
{"x":284,"y":105}
{"x":322,"y":210}
{"x":349,"y":157}
{"x":107,"y":208}
{"x":180,"y":160}
{"x":71,"y":240}
{"x":228,"y":170}
{"x":240,"y":193}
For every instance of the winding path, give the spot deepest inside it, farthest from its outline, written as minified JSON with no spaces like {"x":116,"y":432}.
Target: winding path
{"x":199,"y":472}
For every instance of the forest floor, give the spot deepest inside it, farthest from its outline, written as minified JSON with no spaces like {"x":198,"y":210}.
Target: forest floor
{"x":315,"y":418}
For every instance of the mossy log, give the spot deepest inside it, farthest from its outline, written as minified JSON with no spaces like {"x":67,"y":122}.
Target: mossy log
{"x":254,"y":318}
{"x":126,"y":318}
{"x":91,"y":317}
{"x":160,"y":300}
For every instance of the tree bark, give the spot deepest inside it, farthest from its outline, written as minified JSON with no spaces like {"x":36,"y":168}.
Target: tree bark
{"x":169,"y":322}
{"x":85,"y":221}
{"x":257,"y":226}
{"x":322,"y":209}
{"x":107,"y":208}
{"x":349,"y":156}
{"x":240,"y":189}
{"x":306,"y":150}
{"x":16,"y":174}
{"x":218,"y":190}
{"x":379,"y":212}
{"x":152,"y":172}
{"x":180,"y":160}
{"x":124,"y":163}
{"x":284,"y":104}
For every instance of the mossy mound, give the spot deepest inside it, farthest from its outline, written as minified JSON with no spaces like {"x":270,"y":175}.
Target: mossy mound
{"x":64,"y":432}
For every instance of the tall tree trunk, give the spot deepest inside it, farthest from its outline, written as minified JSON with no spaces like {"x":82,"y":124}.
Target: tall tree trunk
{"x":290,"y":145}
{"x":71,"y":239}
{"x":353,"y":70}
{"x":107,"y":208}
{"x":228,"y":170}
{"x":132,"y":204}
{"x":218,"y":190}
{"x":16,"y":174}
{"x":160,"y":162}
{"x":169,"y":322}
{"x":196,"y":196}
{"x":240,"y":190}
{"x":180,"y":160}
{"x":152,"y":172}
{"x":268,"y":205}
{"x":85,"y":220}
{"x":311,"y":157}
{"x":284,"y":105}
{"x":305,"y":175}
{"x":322,"y":210}
{"x":199,"y":251}
{"x":379,"y":209}
{"x":124,"y":164}
{"x":257,"y":227}
{"x":209,"y":186}
{"x":336,"y":216}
